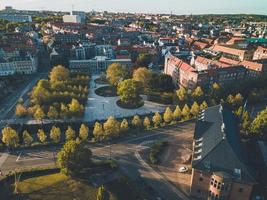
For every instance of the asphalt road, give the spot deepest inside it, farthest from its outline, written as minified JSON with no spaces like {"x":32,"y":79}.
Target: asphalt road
{"x":125,"y":152}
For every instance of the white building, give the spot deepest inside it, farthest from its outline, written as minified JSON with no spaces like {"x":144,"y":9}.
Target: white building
{"x":72,"y":19}
{"x":16,"y":17}
{"x":96,"y":65}
{"x":28,"y":66}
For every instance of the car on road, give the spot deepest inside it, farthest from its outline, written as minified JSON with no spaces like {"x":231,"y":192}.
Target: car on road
{"x":183,"y":169}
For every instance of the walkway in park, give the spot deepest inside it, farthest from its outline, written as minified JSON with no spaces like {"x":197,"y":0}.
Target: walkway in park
{"x":100,"y":108}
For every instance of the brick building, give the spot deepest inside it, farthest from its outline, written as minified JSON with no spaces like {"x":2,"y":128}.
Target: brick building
{"x":220,"y":167}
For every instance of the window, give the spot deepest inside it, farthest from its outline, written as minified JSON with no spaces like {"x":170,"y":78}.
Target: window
{"x":199,"y":191}
{"x":200,"y":179}
{"x":240,"y":190}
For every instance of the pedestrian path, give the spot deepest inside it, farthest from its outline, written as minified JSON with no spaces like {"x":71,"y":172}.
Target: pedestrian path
{"x":3,"y":158}
{"x":100,"y":108}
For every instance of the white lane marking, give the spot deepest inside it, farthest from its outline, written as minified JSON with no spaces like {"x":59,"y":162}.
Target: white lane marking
{"x":18,"y":157}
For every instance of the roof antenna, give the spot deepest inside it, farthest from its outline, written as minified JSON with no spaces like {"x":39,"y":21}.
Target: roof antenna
{"x":72,"y":8}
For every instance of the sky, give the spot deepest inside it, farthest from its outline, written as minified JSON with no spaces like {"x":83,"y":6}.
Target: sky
{"x":178,"y":7}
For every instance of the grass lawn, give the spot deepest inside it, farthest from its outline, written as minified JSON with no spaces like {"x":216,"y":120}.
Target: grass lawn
{"x":57,"y":186}
{"x":107,"y":91}
{"x":60,"y":187}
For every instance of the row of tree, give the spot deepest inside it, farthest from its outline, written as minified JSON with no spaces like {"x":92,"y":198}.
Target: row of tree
{"x":11,"y":138}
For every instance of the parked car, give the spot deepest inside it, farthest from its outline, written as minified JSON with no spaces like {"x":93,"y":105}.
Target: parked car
{"x":183,"y":169}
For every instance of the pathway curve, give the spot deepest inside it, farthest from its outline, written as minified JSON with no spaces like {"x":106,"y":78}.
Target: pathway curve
{"x":100,"y":108}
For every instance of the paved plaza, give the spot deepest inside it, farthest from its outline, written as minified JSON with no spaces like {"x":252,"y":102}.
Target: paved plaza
{"x":100,"y":108}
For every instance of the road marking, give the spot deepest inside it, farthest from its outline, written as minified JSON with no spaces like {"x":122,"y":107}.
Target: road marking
{"x":18,"y":157}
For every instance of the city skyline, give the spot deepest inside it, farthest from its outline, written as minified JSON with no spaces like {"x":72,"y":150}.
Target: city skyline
{"x":170,"y":6}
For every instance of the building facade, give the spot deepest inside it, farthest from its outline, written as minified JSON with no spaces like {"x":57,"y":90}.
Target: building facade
{"x":220,"y":167}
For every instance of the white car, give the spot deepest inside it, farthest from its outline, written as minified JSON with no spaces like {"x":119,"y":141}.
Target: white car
{"x":183,"y":169}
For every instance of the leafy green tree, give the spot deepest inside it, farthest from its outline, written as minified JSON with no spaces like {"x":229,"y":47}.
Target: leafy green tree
{"x":198,"y":93}
{"x":64,"y":111}
{"x":147,"y":123}
{"x":245,"y":121}
{"x":177,"y":114}
{"x":55,"y":134}
{"x":181,"y":94}
{"x":116,"y":73}
{"x":52,"y":113}
{"x":10,"y":137}
{"x":129,"y":90}
{"x":230,"y":100}
{"x":98,"y":131}
{"x":186,"y":112}
{"x":20,"y":110}
{"x":203,"y":106}
{"x":238,"y":100}
{"x":111,"y":128}
{"x":124,"y":127}
{"x":75,"y":108}
{"x":83,"y":132}
{"x":194,"y":109}
{"x":102,"y":194}
{"x":136,"y":121}
{"x":168,"y":115}
{"x":41,"y":135}
{"x":74,"y":157}
{"x":157,"y":119}
{"x":215,"y":91}
{"x":239,"y":112}
{"x":27,"y":138}
{"x":144,"y":59}
{"x":59,"y":73}
{"x":259,"y":124}
{"x":143,"y":76}
{"x":70,"y":133}
{"x":39,"y":113}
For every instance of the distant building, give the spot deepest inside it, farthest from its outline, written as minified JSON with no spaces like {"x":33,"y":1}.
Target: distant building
{"x":260,"y":53}
{"x":81,"y":14}
{"x":96,"y":65}
{"x":15,"y":17}
{"x":72,"y":19}
{"x":221,"y":169}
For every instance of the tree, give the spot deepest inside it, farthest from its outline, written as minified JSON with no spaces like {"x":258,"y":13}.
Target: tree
{"x":146,"y":123}
{"x":27,"y":138}
{"x":55,"y":133}
{"x":136,"y":122}
{"x":245,"y":121}
{"x":59,"y":73}
{"x":144,"y":59}
{"x":230,"y":100}
{"x":259,"y":124}
{"x":98,"y":131}
{"x":194,"y":109}
{"x":204,"y":105}
{"x":83,"y":132}
{"x":70,"y":133}
{"x":111,"y":127}
{"x":157,"y":119}
{"x":52,"y":113}
{"x":238,"y":100}
{"x":10,"y":137}
{"x":75,"y":108}
{"x":239,"y":112}
{"x":181,"y":94}
{"x":186,"y":112}
{"x":128,"y":91}
{"x":124,"y":125}
{"x":39,"y":113}
{"x":143,"y":76}
{"x":168,"y":115}
{"x":21,"y":110}
{"x":197,"y":93}
{"x":41,"y":135}
{"x":215,"y":90}
{"x":64,"y":111}
{"x":177,"y":114}
{"x":102,"y":194}
{"x":116,"y":73}
{"x":74,"y":157}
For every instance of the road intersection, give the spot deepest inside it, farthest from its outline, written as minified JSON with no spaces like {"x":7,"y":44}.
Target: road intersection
{"x":126,"y":152}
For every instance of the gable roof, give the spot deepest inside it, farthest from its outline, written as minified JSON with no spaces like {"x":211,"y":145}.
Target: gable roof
{"x":218,"y":144}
